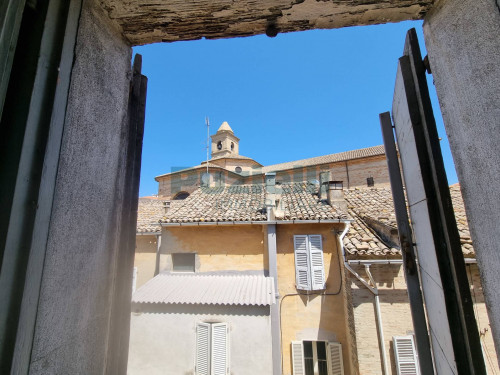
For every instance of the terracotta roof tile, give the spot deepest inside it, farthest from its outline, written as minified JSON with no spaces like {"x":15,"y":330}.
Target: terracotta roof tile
{"x":150,"y":210}
{"x":377,"y":204}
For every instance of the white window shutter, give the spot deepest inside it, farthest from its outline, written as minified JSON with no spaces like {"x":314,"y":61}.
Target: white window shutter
{"x":298,"y":358}
{"x":203,"y":349}
{"x":335,"y":363}
{"x":220,"y":346}
{"x":316,"y":261}
{"x":302,"y":269}
{"x":406,"y":355}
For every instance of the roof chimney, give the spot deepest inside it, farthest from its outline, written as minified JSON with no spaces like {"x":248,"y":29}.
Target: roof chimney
{"x":324,"y":177}
{"x":270,"y":194}
{"x":336,"y":195}
{"x":166,"y":206}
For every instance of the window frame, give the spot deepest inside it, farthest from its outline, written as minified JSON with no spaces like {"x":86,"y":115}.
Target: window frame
{"x":173,"y":255}
{"x":210,"y":332}
{"x":309,"y":262}
{"x":335,"y":364}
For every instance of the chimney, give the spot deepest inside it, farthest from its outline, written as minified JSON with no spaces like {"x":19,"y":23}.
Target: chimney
{"x":270,"y":195}
{"x":336,"y":195}
{"x":166,"y":206}
{"x":324,"y":177}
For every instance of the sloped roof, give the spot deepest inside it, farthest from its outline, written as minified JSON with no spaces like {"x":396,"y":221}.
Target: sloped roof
{"x":300,"y":202}
{"x":376,"y":204}
{"x":150,"y":210}
{"x":332,"y":158}
{"x":230,"y":203}
{"x":245,"y":203}
{"x":362,"y":240}
{"x":225,"y":126}
{"x":170,"y":288}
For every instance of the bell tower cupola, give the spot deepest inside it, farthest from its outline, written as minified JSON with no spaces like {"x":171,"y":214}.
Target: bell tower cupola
{"x":224,"y":142}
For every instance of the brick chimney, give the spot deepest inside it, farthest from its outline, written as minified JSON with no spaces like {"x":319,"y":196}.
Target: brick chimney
{"x":324,"y":178}
{"x":336,"y":195}
{"x":270,"y":195}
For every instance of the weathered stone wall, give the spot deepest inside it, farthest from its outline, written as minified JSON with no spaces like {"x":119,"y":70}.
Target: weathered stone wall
{"x":168,"y":21}
{"x":75,"y":307}
{"x":462,"y":40}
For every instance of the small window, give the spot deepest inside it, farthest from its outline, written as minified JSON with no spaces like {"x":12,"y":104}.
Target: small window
{"x":183,"y":262}
{"x":238,"y":169}
{"x":317,"y":358}
{"x":212,"y":349}
{"x":219,"y":145}
{"x":370,"y":182}
{"x":232,"y":146}
{"x":181,"y":195}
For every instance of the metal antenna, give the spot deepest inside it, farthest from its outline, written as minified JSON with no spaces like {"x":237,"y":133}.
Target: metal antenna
{"x":208,"y":138}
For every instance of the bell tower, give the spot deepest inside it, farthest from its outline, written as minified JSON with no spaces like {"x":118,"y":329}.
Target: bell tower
{"x":224,"y":142}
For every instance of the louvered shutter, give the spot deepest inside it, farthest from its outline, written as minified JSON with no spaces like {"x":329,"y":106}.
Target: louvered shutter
{"x":220,"y":363}
{"x":406,"y":356}
{"x":203,"y":349}
{"x":298,"y":358}
{"x":335,"y":363}
{"x":302,"y":270}
{"x":316,"y":261}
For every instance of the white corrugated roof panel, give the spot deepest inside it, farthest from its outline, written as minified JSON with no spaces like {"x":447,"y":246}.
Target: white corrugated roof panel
{"x":171,"y":288}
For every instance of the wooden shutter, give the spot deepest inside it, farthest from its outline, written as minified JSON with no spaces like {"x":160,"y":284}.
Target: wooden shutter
{"x":220,"y":363}
{"x":335,"y":363}
{"x":302,"y":269}
{"x":203,"y":349}
{"x":298,"y":358}
{"x":406,"y":356}
{"x":316,"y":261}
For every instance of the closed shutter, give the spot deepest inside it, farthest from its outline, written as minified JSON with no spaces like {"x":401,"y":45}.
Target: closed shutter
{"x":316,"y":261}
{"x":406,"y":356}
{"x":302,"y":277}
{"x":220,"y":349}
{"x":336,"y":366}
{"x":203,"y":349}
{"x":298,"y":358}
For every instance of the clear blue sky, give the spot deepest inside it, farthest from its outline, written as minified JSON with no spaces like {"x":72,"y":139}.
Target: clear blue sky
{"x":291,"y":97}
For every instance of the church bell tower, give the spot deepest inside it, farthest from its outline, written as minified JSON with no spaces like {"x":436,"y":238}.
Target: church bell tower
{"x":224,"y":142}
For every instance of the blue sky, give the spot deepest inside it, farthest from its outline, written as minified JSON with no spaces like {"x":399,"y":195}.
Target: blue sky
{"x":291,"y":97}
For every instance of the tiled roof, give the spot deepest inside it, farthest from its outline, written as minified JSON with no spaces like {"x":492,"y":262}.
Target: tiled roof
{"x":462,"y":224}
{"x":168,"y":288}
{"x":245,"y":203}
{"x":332,"y":158}
{"x":300,"y":202}
{"x":376,"y":204}
{"x":361,"y":240}
{"x":230,"y":203}
{"x":150,"y":210}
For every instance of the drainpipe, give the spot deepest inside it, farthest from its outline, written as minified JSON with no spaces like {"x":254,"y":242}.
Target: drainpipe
{"x":270,"y":181}
{"x":158,"y":245}
{"x":372,"y":288}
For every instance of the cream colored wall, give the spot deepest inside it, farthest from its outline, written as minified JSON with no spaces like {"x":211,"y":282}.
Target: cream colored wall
{"x":231,"y":247}
{"x":313,"y":317}
{"x":396,"y":316}
{"x":145,"y":258}
{"x":395,"y":310}
{"x":482,"y":320}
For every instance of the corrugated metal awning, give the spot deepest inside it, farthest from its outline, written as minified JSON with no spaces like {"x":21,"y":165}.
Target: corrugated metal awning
{"x":168,"y":288}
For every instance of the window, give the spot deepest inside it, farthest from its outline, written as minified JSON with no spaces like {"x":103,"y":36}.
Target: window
{"x":370,"y":182}
{"x":309,"y":267}
{"x":238,"y":169}
{"x":212,"y":349}
{"x":219,"y":145}
{"x":183,"y":262}
{"x":317,"y":358}
{"x":406,"y":355}
{"x":181,"y":195}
